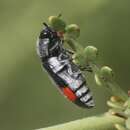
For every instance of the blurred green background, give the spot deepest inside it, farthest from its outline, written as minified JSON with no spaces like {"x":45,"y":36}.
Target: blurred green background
{"x":28,"y":100}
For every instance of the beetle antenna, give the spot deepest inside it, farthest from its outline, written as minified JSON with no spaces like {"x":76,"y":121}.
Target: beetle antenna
{"x":59,"y":15}
{"x":45,"y":24}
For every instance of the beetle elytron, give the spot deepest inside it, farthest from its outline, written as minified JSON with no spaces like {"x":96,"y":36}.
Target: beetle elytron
{"x":57,"y":61}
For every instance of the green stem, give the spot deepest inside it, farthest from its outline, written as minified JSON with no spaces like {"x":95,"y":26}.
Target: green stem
{"x":103,"y":122}
{"x":75,"y":46}
{"x":117,"y":91}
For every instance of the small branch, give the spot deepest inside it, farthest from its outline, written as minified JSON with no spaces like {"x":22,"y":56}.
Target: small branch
{"x":103,"y":122}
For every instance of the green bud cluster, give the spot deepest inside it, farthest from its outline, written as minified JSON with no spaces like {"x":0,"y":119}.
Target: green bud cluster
{"x":72,"y":30}
{"x":84,"y":56}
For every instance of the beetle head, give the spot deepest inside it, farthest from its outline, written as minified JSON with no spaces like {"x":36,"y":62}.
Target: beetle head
{"x":48,"y":32}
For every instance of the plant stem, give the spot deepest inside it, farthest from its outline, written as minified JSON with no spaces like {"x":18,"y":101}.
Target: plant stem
{"x":102,"y":122}
{"x":75,"y":46}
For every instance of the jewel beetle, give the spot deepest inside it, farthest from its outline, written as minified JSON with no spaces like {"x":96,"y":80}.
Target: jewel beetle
{"x":58,"y":63}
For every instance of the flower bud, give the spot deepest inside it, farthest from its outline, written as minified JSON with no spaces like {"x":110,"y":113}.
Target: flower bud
{"x":73,"y":31}
{"x":106,"y":73}
{"x":57,"y":23}
{"x":91,"y":53}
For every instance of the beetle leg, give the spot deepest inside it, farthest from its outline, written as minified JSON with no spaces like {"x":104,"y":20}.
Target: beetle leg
{"x":87,"y":68}
{"x":69,"y":51}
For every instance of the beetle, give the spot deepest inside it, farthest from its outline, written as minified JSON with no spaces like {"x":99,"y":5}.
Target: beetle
{"x":58,"y":63}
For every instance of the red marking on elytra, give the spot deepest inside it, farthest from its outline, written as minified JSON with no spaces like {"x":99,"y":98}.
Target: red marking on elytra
{"x":69,"y":94}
